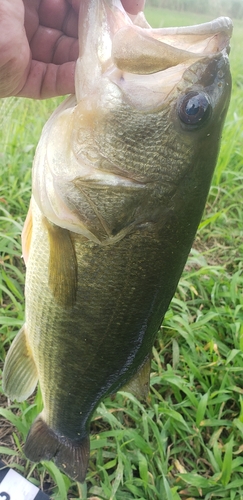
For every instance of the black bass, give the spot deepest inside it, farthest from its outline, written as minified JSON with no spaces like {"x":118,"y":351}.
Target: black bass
{"x":120,"y":179}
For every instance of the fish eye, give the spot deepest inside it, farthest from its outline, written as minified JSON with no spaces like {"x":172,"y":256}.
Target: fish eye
{"x":194,"y":108}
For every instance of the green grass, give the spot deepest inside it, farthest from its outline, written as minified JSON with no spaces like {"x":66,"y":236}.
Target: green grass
{"x":186,"y":441}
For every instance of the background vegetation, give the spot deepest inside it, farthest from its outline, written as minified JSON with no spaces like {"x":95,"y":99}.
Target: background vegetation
{"x":231,"y":8}
{"x":186,"y":441}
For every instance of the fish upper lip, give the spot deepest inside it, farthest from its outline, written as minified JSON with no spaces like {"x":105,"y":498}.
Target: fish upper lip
{"x":221,"y":27}
{"x":220,"y":24}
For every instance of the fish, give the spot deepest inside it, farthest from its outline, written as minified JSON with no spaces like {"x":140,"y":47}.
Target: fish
{"x":120,"y":180}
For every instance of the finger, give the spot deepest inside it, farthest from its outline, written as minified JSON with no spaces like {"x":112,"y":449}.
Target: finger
{"x":75,"y":4}
{"x":50,"y":45}
{"x":49,"y":80}
{"x":53,"y":12}
{"x":59,"y":14}
{"x":133,"y":6}
{"x":14,"y":47}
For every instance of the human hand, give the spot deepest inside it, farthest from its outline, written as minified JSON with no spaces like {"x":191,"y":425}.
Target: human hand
{"x":39,"y":46}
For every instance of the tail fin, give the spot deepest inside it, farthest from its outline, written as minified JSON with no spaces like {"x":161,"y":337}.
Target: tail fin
{"x":44,"y":444}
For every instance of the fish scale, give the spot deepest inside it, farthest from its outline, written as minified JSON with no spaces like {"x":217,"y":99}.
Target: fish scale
{"x":120,"y":180}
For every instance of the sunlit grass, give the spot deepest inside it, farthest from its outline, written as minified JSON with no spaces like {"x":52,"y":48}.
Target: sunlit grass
{"x":186,"y":441}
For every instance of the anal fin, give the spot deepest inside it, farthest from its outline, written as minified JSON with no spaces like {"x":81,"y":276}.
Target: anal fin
{"x":70,"y":456}
{"x":19,"y":373}
{"x":139,"y":383}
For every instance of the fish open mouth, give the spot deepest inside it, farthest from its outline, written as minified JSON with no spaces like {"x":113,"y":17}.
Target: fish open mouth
{"x":138,"y":58}
{"x":146,"y":50}
{"x":151,"y":63}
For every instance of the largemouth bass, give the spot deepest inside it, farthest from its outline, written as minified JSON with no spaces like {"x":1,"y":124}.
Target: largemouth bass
{"x":120,"y":179}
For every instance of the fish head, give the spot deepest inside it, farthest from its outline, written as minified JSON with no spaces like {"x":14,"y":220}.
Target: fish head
{"x":146,"y":122}
{"x":183,"y":72}
{"x":156,"y":100}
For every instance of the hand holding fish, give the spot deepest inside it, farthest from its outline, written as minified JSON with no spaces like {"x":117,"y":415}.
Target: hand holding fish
{"x":39,"y":47}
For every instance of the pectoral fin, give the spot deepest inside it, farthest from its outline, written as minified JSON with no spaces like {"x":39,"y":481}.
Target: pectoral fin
{"x":139,"y":384}
{"x":27,"y":235}
{"x":19,"y":374}
{"x":62,"y":265}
